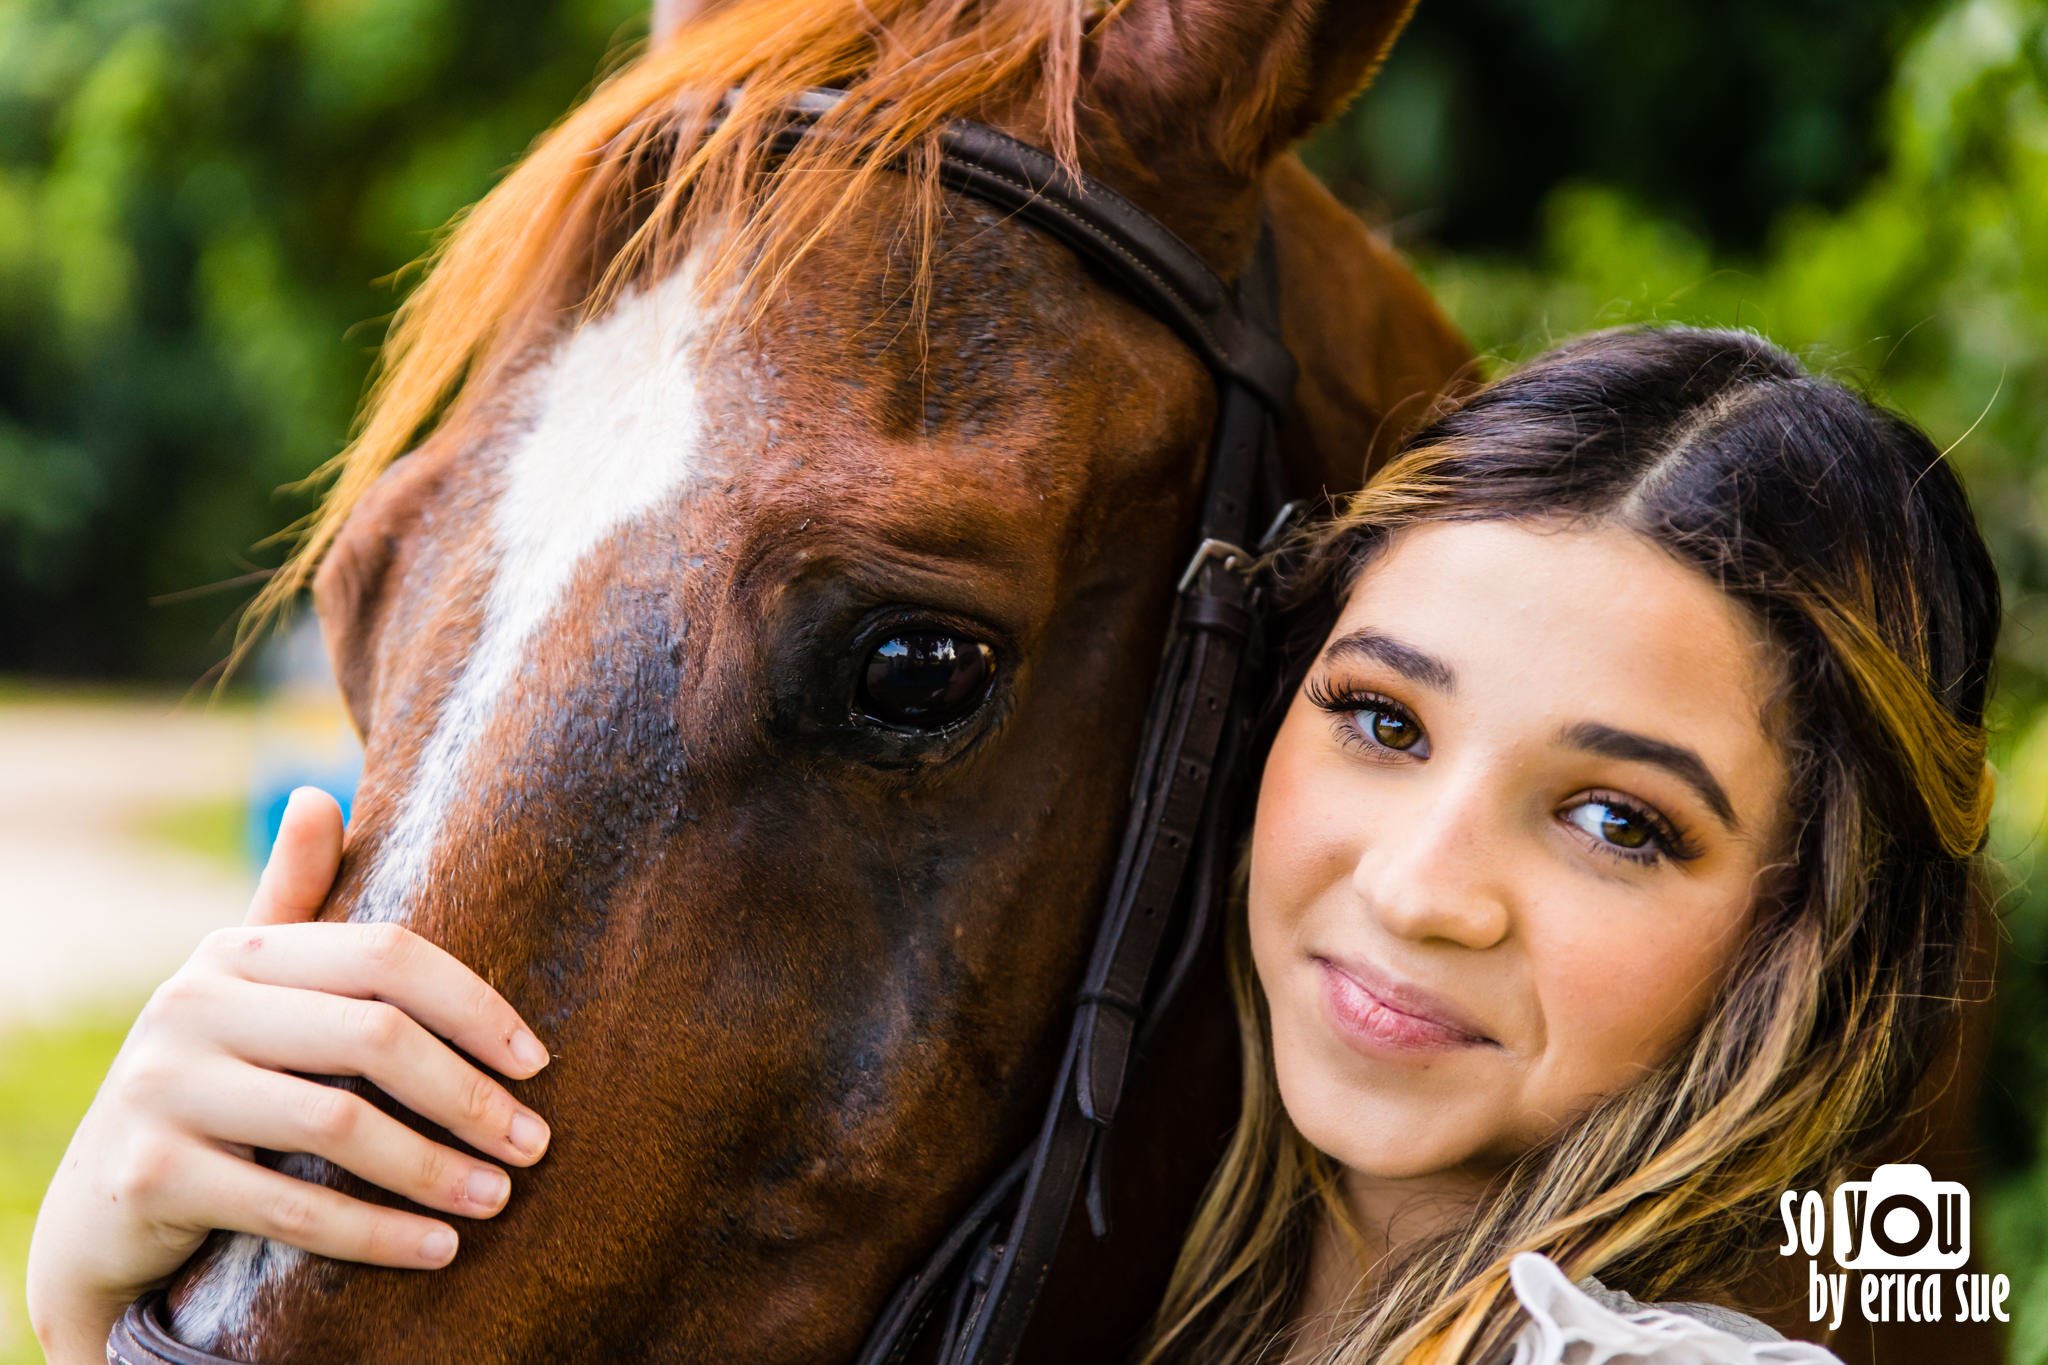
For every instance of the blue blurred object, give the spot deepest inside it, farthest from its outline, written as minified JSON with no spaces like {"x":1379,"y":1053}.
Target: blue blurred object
{"x":303,"y":735}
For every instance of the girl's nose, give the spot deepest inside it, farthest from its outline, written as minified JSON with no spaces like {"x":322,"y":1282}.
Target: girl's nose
{"x":1437,"y":866}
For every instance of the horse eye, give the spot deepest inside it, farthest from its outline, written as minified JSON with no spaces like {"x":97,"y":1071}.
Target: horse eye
{"x":924,"y":679}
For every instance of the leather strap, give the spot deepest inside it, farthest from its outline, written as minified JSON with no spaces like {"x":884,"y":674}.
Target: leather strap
{"x":1104,"y":228}
{"x":1194,"y":734}
{"x":143,"y":1337}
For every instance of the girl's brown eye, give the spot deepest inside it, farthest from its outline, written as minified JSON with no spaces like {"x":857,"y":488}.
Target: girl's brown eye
{"x":1617,"y":828}
{"x":1394,"y":731}
{"x":1369,"y":721}
{"x":1614,"y":824}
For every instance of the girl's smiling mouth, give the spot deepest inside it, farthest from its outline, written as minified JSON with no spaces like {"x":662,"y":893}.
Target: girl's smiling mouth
{"x":1376,"y":1013}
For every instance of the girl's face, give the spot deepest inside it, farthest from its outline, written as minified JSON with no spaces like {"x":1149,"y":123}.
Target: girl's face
{"x":1509,"y":833}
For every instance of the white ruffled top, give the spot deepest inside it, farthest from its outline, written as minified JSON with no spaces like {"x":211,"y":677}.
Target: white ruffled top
{"x":1568,"y":1325}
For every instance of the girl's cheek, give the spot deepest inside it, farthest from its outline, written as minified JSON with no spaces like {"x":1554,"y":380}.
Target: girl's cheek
{"x":1615,"y":1003}
{"x":1286,"y":832}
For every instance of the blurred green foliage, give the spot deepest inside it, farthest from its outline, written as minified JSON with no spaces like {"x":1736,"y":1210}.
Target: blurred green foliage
{"x":1721,"y":115}
{"x":196,"y":198}
{"x":197,"y":201}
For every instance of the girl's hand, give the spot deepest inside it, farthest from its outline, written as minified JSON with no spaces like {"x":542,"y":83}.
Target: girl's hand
{"x":165,"y":1154}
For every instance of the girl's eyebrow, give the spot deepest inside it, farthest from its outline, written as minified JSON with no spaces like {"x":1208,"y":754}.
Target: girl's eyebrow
{"x":1370,"y":646}
{"x":1676,"y":759}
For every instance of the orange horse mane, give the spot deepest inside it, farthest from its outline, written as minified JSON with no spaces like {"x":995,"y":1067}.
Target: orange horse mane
{"x":617,"y":188}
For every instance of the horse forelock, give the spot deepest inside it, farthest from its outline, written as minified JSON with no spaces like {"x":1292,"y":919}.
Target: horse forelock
{"x":623,"y":189}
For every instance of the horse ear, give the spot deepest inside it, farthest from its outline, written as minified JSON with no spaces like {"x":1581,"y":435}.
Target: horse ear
{"x":1233,"y":83}
{"x":1199,"y":101}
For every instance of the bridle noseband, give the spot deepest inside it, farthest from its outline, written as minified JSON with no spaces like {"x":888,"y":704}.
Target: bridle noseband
{"x":989,"y":1269}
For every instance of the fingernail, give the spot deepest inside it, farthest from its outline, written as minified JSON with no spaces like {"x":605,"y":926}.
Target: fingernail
{"x":438,"y":1247}
{"x":527,"y":1051}
{"x":528,"y":1133}
{"x":488,"y":1188}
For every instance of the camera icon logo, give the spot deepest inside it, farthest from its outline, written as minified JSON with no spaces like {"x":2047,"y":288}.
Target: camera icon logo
{"x":1901,"y":1218}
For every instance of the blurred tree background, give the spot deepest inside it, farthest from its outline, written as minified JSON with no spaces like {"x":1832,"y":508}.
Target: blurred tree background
{"x":200,"y":204}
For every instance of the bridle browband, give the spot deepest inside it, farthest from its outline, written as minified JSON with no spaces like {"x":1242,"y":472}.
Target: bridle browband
{"x":990,"y":1267}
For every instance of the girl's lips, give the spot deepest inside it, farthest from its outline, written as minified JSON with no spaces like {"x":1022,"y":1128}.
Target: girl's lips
{"x":1387,"y":1016}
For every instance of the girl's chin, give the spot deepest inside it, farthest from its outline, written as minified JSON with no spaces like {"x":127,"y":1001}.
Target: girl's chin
{"x":1384,"y":1136}
{"x":1390,"y":1160}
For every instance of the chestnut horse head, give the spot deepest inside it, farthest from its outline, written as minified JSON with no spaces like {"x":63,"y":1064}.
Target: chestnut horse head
{"x":750,"y":651}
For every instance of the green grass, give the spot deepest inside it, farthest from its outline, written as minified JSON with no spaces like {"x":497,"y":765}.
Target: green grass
{"x":215,"y":830}
{"x":47,"y":1078}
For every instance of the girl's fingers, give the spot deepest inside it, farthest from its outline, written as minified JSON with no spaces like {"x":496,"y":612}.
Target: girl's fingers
{"x":303,"y":861}
{"x":221,"y":1191}
{"x":391,"y":963}
{"x":258,"y":1108}
{"x":293,"y":1030}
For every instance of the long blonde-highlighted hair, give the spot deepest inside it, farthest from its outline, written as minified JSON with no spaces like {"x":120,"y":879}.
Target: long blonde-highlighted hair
{"x":1841,"y":529}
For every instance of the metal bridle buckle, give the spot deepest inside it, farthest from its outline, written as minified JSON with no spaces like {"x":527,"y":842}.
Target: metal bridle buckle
{"x":1233,"y":557}
{"x":1285,"y":520}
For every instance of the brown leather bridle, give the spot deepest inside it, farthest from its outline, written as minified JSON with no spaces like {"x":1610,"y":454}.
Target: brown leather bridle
{"x":1168,"y":879}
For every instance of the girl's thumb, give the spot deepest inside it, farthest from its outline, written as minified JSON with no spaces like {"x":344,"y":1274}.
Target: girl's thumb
{"x":303,"y":861}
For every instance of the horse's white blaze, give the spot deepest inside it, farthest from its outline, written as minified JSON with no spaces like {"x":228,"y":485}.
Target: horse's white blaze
{"x":614,"y":427}
{"x":219,"y":1299}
